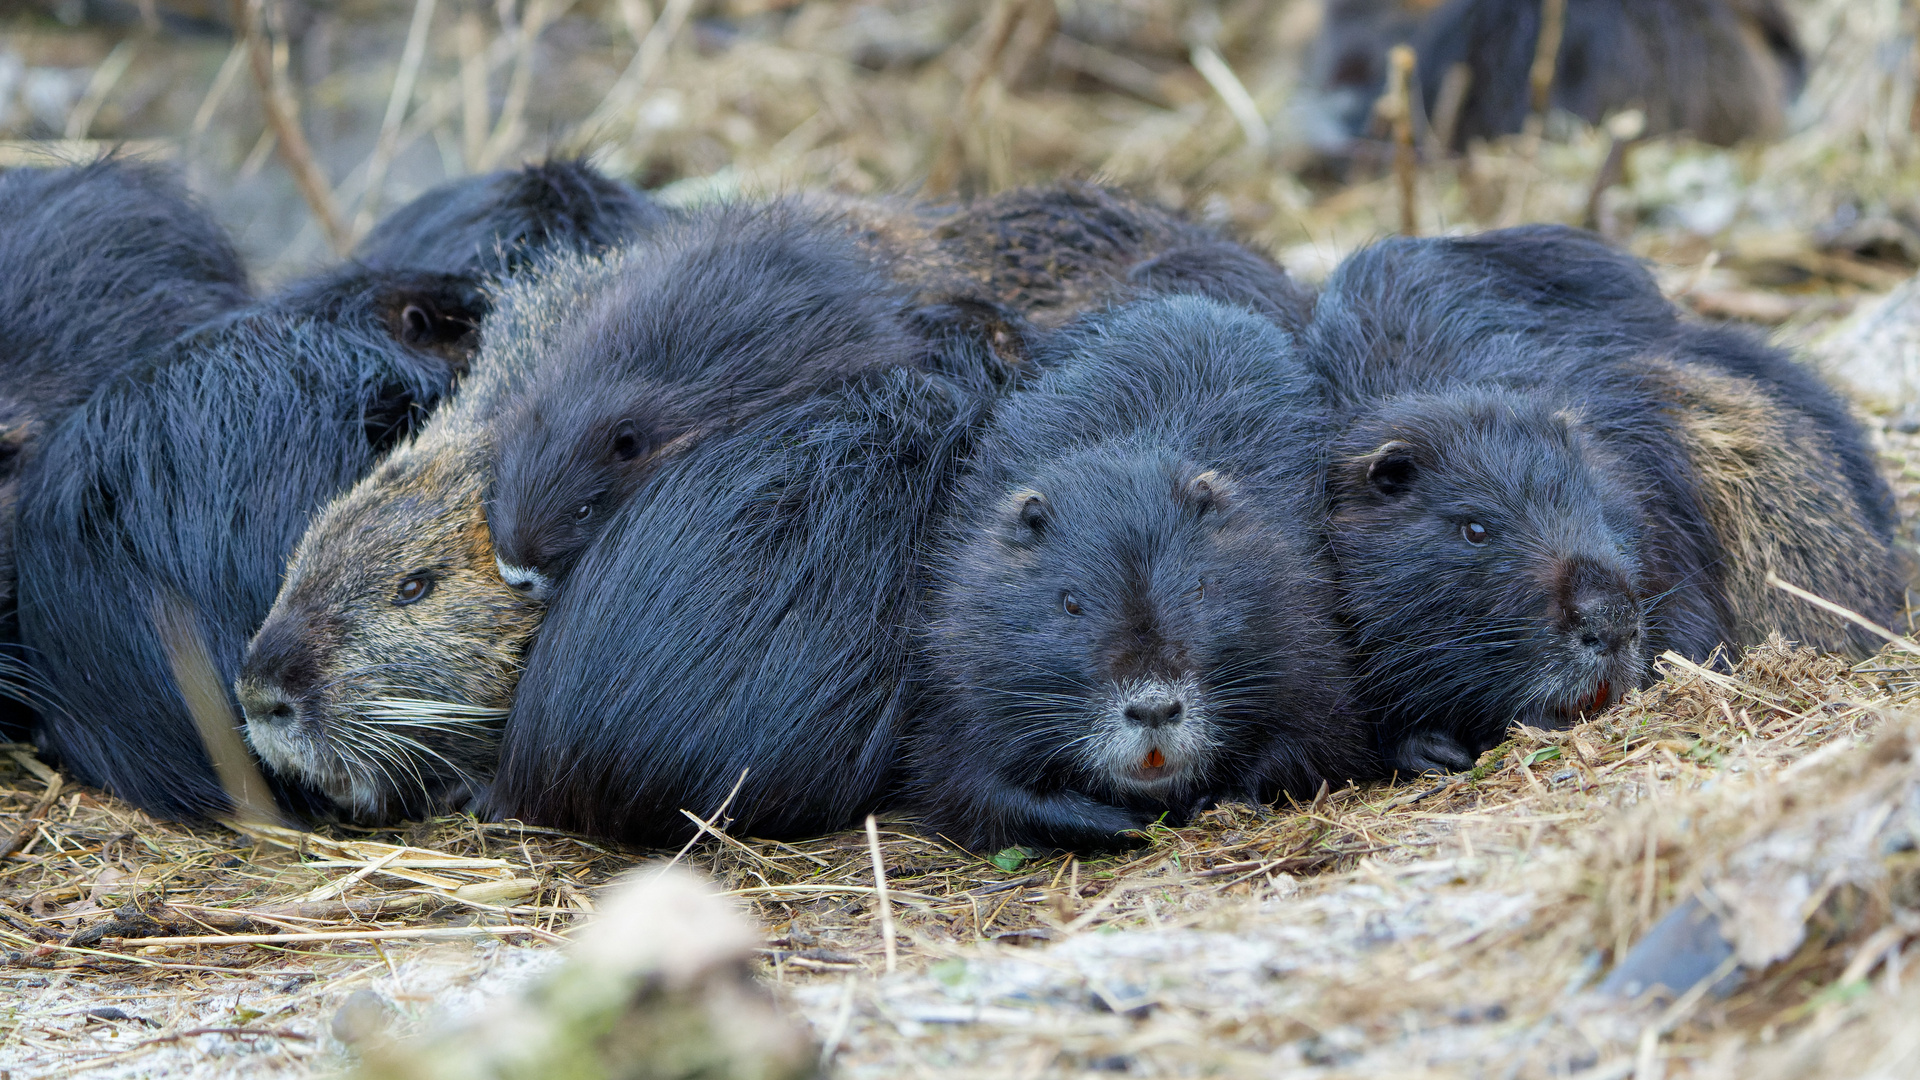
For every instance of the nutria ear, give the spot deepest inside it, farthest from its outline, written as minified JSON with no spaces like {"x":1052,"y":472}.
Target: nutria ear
{"x":1211,"y":490}
{"x":626,"y":440}
{"x":1028,"y":514}
{"x":1390,"y":469}
{"x":440,"y":319}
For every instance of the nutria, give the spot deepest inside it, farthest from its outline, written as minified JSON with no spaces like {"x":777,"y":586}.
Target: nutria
{"x":748,"y":613}
{"x":940,"y":282}
{"x":1130,"y":613}
{"x":1591,"y":479}
{"x":193,"y":474}
{"x":99,"y":265}
{"x":382,"y":671}
{"x":1720,"y":70}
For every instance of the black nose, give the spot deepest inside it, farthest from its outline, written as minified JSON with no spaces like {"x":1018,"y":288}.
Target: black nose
{"x":1606,"y":623}
{"x":265,"y":703}
{"x":1156,"y":713}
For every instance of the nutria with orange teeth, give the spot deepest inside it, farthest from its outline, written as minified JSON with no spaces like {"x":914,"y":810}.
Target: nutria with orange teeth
{"x":1546,"y":479}
{"x":1131,"y":615}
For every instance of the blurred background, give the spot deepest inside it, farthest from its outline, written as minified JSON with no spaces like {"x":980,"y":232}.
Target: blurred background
{"x":1258,"y":113}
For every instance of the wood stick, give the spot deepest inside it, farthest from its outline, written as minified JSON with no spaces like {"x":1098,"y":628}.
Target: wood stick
{"x":292,"y":142}
{"x":423,"y":933}
{"x":1546,"y":53}
{"x":880,"y":889}
{"x":1904,"y":644}
{"x":400,"y":96}
{"x":944,"y":174}
{"x":1400,"y":94}
{"x":31,"y":821}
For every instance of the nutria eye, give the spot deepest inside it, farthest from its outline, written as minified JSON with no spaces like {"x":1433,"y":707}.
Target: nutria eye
{"x":1474,"y":532}
{"x":1068,"y":604}
{"x":583,"y":512}
{"x":413,"y":589}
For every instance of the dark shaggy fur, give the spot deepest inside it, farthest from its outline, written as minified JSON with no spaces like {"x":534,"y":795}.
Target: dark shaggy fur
{"x":1130,"y":614}
{"x":191,"y":477}
{"x":99,"y":265}
{"x":747,"y":611}
{"x":708,"y":326}
{"x":1546,"y":479}
{"x":1720,"y":70}
{"x":495,"y":222}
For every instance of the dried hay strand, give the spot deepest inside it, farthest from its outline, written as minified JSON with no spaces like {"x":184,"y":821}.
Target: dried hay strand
{"x":1457,"y":920}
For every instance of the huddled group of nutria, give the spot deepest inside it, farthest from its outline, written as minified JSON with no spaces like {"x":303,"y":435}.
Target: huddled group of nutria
{"x":1040,"y":517}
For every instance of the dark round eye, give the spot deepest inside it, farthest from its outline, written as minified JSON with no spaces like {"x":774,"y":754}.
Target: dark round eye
{"x":413,"y":589}
{"x":583,"y":512}
{"x":1474,"y":532}
{"x":1068,"y":604}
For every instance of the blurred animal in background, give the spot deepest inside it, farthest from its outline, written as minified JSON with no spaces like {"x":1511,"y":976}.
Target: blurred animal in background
{"x":195,"y":471}
{"x":100,"y":266}
{"x":1718,"y":70}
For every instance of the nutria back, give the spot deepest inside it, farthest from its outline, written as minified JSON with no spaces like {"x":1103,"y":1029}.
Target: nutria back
{"x":1131,"y":616}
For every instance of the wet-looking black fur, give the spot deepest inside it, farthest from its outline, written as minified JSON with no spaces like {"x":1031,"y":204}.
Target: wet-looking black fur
{"x":1130,"y":615}
{"x":99,"y":265}
{"x":709,"y":324}
{"x":1515,"y":519}
{"x":748,"y":612}
{"x":192,"y":475}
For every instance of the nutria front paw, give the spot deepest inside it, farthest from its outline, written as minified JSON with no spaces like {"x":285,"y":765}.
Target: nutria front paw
{"x":1429,"y":751}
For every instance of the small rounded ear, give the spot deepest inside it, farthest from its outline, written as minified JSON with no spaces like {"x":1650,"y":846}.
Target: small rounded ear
{"x":1211,"y":490}
{"x":436,"y":317}
{"x":626,"y":440}
{"x":1028,"y":514}
{"x":1391,"y":468}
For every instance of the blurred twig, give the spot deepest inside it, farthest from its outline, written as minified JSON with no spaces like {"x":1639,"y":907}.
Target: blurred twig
{"x":1396,"y":107}
{"x":625,"y":91}
{"x":403,"y":80}
{"x":474,"y":116}
{"x":1546,"y":53}
{"x":223,"y":82}
{"x":294,"y":150}
{"x":944,"y":174}
{"x":105,"y":77}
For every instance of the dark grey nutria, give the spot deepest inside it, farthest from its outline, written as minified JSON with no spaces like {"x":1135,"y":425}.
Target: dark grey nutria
{"x":1720,"y":70}
{"x":1546,"y":479}
{"x":99,"y":265}
{"x":1131,"y":615}
{"x":746,"y":613}
{"x":344,"y":674}
{"x":191,"y":476}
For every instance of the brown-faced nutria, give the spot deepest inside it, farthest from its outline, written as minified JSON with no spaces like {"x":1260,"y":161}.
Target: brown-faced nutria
{"x":1543,"y":479}
{"x":937,"y":285}
{"x":1131,"y":614}
{"x":192,"y":475}
{"x":99,"y":265}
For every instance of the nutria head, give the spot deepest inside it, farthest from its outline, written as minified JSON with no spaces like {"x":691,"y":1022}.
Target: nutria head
{"x":1128,"y":625}
{"x":1488,"y":553}
{"x":706,"y":327}
{"x":384,"y":670}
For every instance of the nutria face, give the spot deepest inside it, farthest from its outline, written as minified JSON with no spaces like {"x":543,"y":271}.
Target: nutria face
{"x":1487,"y":556}
{"x":384,"y":670}
{"x":1115,"y":627}
{"x":579,"y":458}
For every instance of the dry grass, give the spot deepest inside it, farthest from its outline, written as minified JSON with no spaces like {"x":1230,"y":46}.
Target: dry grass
{"x":1430,"y":927}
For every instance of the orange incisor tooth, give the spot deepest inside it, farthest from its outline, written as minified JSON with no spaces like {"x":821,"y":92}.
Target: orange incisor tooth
{"x":1155,"y":758}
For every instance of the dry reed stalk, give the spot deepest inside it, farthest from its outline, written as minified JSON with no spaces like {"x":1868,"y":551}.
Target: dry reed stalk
{"x":943,"y":175}
{"x":292,"y":142}
{"x":401,"y":95}
{"x":880,"y":891}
